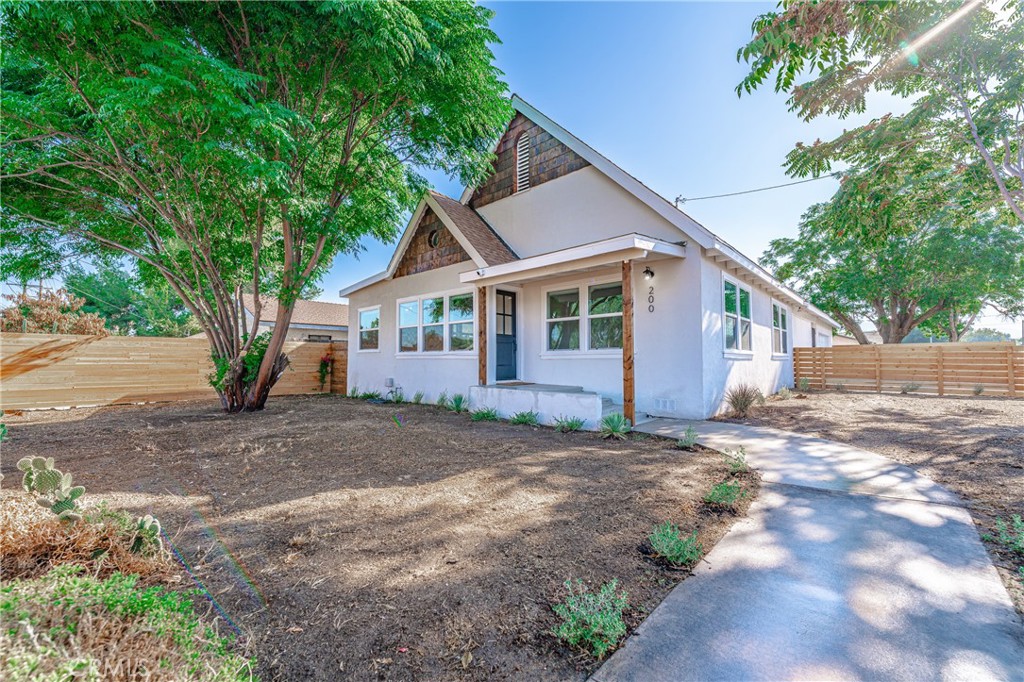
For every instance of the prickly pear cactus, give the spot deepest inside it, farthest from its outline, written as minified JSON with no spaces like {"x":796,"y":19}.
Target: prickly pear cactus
{"x":147,"y":535}
{"x":40,"y":476}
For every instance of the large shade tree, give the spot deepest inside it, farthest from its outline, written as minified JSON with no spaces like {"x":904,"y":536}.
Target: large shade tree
{"x":960,"y":63}
{"x":235,"y":147}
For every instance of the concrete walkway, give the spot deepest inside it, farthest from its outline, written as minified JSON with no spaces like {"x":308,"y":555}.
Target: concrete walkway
{"x":848,"y":566}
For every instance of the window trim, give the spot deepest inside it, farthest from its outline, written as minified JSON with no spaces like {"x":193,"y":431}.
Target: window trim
{"x":583,"y":288}
{"x":737,"y":353}
{"x":787,"y":331}
{"x":359,"y":330}
{"x":446,"y":324}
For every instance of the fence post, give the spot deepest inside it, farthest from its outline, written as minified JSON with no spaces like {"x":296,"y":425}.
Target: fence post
{"x":878,"y":369}
{"x":941,"y":372}
{"x":1009,"y":371}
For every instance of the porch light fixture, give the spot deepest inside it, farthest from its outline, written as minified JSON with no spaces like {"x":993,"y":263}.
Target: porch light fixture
{"x":648,"y":273}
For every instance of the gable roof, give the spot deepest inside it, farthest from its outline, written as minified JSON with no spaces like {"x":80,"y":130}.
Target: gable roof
{"x":491,"y":248}
{"x":319,"y":313}
{"x":728,"y":256}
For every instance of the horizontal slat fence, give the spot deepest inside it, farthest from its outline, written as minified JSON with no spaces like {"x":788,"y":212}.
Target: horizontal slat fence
{"x":51,"y":370}
{"x":936,"y":368}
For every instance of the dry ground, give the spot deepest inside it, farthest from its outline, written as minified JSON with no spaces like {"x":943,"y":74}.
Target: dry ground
{"x":973,"y":446}
{"x":345,"y":545}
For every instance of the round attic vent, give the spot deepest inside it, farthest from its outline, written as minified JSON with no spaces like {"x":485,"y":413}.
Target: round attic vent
{"x":434,"y":238}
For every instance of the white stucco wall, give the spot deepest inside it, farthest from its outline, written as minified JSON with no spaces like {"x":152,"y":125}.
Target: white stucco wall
{"x":427,"y":372}
{"x":578,"y":208}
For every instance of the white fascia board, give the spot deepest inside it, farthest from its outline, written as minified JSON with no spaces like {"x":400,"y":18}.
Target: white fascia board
{"x":627,"y":247}
{"x":363,"y":283}
{"x":478,"y":260}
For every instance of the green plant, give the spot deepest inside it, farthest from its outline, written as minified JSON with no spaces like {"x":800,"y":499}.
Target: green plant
{"x":354,"y":393}
{"x":162,"y":627}
{"x":670,"y":545}
{"x":529,"y":418}
{"x":1009,"y":535}
{"x":396,"y":395}
{"x":567,"y":424}
{"x":978,"y":389}
{"x":323,"y":370}
{"x":804,"y":384}
{"x":737,"y":460}
{"x":147,"y":536}
{"x":458,"y":403}
{"x":590,"y":621}
{"x":53,"y":488}
{"x":615,"y":425}
{"x":371,"y":395}
{"x":909,"y":387}
{"x":784,"y":393}
{"x":417,"y":397}
{"x":725,"y":494}
{"x":742,"y":397}
{"x":689,"y":439}
{"x":442,"y":399}
{"x":3,"y":429}
{"x":486,"y":414}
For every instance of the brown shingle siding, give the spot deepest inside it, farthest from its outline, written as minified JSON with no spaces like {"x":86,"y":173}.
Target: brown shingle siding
{"x":477,"y":232}
{"x":420,"y":256}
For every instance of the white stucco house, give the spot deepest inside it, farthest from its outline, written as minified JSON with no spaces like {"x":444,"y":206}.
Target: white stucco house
{"x":564,"y":285}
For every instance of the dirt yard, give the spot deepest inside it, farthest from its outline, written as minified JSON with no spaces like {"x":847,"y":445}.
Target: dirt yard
{"x":348,"y":540}
{"x":973,"y":446}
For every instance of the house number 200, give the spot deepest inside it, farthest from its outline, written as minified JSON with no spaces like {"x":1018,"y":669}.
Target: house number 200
{"x":650,"y":299}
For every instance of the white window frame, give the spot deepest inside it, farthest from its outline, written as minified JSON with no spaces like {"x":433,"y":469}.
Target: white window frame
{"x":583,"y":289}
{"x":738,"y":352}
{"x":359,"y":330}
{"x":786,"y":333}
{"x":446,"y":324}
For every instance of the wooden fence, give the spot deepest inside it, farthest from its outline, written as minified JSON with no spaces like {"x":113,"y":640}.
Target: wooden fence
{"x":936,"y":368}
{"x":49,"y":370}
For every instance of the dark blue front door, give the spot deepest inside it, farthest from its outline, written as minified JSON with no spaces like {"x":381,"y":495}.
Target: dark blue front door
{"x":505,"y":336}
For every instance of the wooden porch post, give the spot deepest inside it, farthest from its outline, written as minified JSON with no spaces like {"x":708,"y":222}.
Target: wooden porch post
{"x":628,"y":404}
{"x":481,"y":325}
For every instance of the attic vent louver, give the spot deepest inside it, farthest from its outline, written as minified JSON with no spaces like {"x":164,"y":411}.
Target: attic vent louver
{"x":523,"y":163}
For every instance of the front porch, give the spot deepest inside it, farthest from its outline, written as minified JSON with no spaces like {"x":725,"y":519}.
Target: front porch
{"x":549,"y":401}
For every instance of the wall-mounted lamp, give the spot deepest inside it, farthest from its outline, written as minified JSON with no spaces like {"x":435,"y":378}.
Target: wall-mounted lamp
{"x":648,"y":273}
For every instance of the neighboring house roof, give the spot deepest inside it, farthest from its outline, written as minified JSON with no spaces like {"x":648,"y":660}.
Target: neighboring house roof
{"x":715,"y":247}
{"x":476,"y":231}
{"x":319,"y":313}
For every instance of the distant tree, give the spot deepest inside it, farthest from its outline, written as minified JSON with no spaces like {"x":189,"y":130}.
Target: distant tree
{"x":129,"y":304}
{"x":986,"y":334}
{"x":960,"y":63}
{"x":234,"y":146}
{"x":900,"y":278}
{"x":51,"y":312}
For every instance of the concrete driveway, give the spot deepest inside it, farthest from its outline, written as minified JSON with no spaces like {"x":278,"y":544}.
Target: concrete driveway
{"x":848,"y":566}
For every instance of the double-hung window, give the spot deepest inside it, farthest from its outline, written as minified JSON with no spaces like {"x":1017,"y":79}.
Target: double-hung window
{"x":436,"y":324}
{"x":780,"y":329}
{"x":737,"y":316}
{"x":595,"y":326}
{"x":369,"y":329}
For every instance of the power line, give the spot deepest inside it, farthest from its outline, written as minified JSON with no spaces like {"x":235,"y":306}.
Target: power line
{"x":682,"y":200}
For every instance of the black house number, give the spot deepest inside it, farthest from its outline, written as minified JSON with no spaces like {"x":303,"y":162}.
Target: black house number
{"x":650,"y":299}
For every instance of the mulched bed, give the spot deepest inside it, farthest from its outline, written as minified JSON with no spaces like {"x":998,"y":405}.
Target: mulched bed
{"x":974,"y":446}
{"x":344,"y":544}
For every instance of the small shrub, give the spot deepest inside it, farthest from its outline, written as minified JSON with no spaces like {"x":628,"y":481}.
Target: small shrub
{"x":486,"y":414}
{"x":61,"y":626}
{"x":458,"y":403}
{"x":529,"y":418}
{"x":396,"y":395}
{"x":675,"y":549}
{"x":372,"y":395}
{"x":592,"y":622}
{"x":354,"y":393}
{"x":909,"y":388}
{"x":804,"y":384}
{"x":742,"y":398}
{"x":725,"y":494}
{"x":1009,"y":535}
{"x":417,"y":397}
{"x":978,"y":389}
{"x":737,"y":461}
{"x":615,"y":425}
{"x":784,"y":393}
{"x":689,"y":439}
{"x":442,"y":399}
{"x":323,"y":370}
{"x":567,"y":424}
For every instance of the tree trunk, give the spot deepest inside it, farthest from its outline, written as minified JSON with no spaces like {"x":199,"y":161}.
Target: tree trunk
{"x":275,"y":362}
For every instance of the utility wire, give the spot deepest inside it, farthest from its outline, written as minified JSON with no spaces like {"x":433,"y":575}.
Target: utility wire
{"x":682,"y":200}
